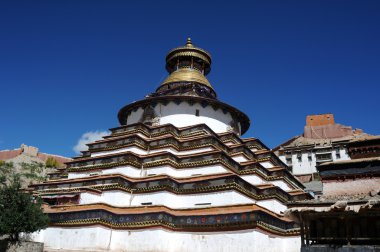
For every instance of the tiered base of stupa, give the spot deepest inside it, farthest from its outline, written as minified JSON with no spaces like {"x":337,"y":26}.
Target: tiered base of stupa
{"x":164,"y":188}
{"x":176,"y":176}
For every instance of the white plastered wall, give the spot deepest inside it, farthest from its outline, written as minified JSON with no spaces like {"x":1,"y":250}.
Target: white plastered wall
{"x":272,"y":205}
{"x":98,"y":238}
{"x":256,"y":180}
{"x":184,"y":114}
{"x":240,"y":158}
{"x":304,"y":165}
{"x":140,"y":151}
{"x":267,"y":164}
{"x":171,"y":200}
{"x":133,"y":172}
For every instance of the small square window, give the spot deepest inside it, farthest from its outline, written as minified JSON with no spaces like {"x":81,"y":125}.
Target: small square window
{"x":203,"y":204}
{"x":146,"y":203}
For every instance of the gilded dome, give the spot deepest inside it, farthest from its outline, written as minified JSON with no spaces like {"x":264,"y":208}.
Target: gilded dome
{"x":188,"y":65}
{"x":186,"y":75}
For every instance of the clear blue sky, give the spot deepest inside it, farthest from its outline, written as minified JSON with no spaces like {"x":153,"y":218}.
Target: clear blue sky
{"x":67,"y":67}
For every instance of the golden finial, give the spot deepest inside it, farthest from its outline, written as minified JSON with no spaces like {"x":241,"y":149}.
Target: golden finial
{"x":191,"y":54}
{"x":188,"y":43}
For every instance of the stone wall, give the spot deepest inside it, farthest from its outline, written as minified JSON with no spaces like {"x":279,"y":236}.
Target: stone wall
{"x":22,"y":247}
{"x":327,"y":131}
{"x":351,"y":187}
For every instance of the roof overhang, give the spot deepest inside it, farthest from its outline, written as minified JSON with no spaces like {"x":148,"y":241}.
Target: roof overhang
{"x":240,"y":116}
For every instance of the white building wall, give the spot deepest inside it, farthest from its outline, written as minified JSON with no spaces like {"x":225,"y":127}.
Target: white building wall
{"x":273,"y":205}
{"x":140,"y":151}
{"x":267,"y":164}
{"x":184,"y":115}
{"x":133,"y":172}
{"x":99,"y":238}
{"x":256,"y":180}
{"x":183,"y":173}
{"x":240,"y":158}
{"x":229,"y":143}
{"x":282,"y":184}
{"x":343,"y":155}
{"x":306,"y":166}
{"x":171,"y":200}
{"x":253,"y":179}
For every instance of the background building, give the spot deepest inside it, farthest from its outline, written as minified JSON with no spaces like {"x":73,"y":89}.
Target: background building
{"x":28,"y":155}
{"x":346,"y":217}
{"x":323,"y":140}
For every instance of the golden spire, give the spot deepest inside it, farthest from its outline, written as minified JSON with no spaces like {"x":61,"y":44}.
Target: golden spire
{"x":188,"y":43}
{"x":187,"y":64}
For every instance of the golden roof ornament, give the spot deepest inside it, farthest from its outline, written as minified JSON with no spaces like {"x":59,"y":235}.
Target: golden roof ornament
{"x":186,"y":74}
{"x":188,"y":43}
{"x":188,"y":64}
{"x":189,"y":50}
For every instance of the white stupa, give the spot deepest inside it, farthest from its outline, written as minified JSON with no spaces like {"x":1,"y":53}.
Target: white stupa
{"x":175,"y":176}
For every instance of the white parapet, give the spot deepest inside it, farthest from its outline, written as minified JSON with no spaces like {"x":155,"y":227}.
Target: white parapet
{"x":133,"y":172}
{"x":257,"y":180}
{"x":98,"y":238}
{"x":140,"y":151}
{"x":177,"y":201}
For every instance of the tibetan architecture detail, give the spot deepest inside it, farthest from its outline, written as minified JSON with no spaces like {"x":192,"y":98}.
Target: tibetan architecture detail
{"x":323,"y":140}
{"x":346,"y":217}
{"x":175,"y":176}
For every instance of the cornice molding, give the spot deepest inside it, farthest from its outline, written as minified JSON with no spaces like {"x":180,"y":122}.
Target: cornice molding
{"x":204,"y":220}
{"x":195,"y":185}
